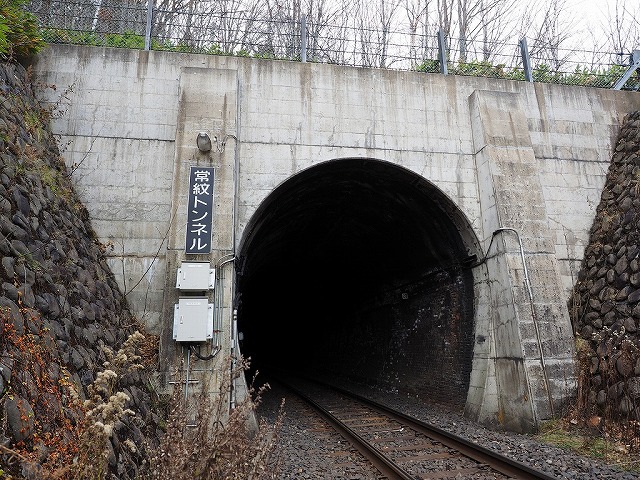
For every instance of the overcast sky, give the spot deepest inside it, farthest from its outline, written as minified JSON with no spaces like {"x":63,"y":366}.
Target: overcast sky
{"x":591,"y":17}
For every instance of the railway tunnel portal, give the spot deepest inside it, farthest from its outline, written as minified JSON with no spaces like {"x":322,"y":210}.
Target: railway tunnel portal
{"x":354,"y":267}
{"x":360,"y":269}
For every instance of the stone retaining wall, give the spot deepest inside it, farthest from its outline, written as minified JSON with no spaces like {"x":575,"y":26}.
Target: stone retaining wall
{"x":605,"y":305}
{"x":61,"y":310}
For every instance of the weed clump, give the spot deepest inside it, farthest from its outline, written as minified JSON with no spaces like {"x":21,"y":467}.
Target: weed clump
{"x":221,"y":443}
{"x":105,"y":409}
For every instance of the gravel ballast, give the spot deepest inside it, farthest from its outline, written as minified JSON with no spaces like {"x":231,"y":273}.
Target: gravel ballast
{"x":306,"y":449}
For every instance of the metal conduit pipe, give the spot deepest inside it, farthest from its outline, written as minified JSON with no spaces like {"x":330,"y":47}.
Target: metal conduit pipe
{"x":218,"y":298}
{"x":218,"y":292}
{"x":533,"y":310}
{"x":219,"y":308}
{"x":234,"y":226}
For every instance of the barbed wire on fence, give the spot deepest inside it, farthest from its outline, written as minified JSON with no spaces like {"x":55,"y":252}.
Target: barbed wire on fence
{"x":195,"y":27}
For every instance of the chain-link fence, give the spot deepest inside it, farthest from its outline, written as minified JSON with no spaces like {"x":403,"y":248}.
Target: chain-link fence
{"x":192,"y":26}
{"x":90,"y":22}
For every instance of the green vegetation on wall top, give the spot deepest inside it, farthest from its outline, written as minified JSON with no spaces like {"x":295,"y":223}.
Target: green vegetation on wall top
{"x":582,"y":76}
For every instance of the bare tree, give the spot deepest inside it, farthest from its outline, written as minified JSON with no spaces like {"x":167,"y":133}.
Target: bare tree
{"x":227,"y":26}
{"x":374,"y":33}
{"x":282,"y":32}
{"x":177,"y":20}
{"x":235,"y":25}
{"x":549,"y":30}
{"x":483,"y":26}
{"x":445,"y":16}
{"x":374,"y":26}
{"x":418,"y":15}
{"x":328,"y":30}
{"x":622,"y":26}
{"x":120,"y":16}
{"x":242,"y":26}
{"x":498,"y":28}
{"x":65,"y":15}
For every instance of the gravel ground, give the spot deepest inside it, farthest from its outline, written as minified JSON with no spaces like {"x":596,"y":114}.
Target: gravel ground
{"x":308,"y":449}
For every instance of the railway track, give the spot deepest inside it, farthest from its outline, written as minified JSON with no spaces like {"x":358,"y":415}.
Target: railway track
{"x":401,"y":447}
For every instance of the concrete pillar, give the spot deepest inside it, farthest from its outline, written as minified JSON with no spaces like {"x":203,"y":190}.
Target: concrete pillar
{"x":207,"y":103}
{"x":529,"y":371}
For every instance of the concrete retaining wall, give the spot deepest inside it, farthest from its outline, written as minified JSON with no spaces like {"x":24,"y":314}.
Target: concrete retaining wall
{"x":121,"y":114}
{"x":132,"y":118}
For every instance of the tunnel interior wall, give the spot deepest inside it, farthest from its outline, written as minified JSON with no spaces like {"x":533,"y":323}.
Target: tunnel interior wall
{"x":357,"y":269}
{"x":416,"y":340}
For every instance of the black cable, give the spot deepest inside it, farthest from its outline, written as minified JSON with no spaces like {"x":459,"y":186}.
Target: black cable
{"x":192,"y":347}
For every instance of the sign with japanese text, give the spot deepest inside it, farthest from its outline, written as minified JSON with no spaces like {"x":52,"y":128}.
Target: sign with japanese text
{"x":200,"y":210}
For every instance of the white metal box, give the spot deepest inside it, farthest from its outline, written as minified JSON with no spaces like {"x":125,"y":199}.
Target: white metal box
{"x":195,"y":277}
{"x":193,"y":320}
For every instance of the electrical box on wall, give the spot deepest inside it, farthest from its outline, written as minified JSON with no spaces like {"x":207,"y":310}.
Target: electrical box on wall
{"x":193,"y":320}
{"x":195,"y":277}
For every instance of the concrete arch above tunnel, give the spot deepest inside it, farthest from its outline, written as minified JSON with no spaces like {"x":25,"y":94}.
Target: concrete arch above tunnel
{"x":360,"y":268}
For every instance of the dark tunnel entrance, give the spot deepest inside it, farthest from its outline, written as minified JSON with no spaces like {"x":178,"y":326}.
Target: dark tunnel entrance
{"x":360,"y":269}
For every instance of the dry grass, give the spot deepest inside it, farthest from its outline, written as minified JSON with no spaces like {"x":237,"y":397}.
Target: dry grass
{"x":596,"y":441}
{"x":220,"y":444}
{"x":601,"y":431}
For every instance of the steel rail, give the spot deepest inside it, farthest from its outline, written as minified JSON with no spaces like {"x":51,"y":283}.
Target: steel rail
{"x":385,"y":466}
{"x":501,"y":463}
{"x":484,"y":456}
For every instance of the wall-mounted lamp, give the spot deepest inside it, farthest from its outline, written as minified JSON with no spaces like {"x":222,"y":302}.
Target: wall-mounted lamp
{"x":204,"y":142}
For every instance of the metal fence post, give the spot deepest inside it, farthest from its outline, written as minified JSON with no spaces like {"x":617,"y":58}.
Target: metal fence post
{"x":526,"y":61}
{"x":634,"y":64}
{"x":303,"y":38}
{"x":147,"y":33}
{"x":442,"y":53}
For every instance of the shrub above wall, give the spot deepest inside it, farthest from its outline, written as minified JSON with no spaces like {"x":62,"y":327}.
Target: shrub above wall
{"x":20,"y":36}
